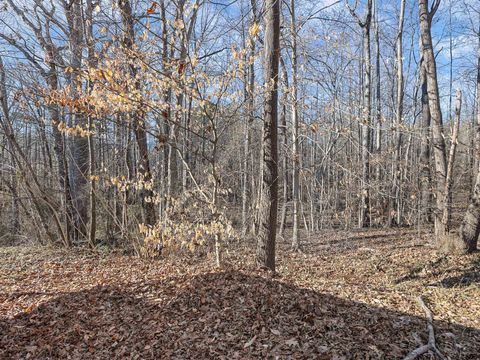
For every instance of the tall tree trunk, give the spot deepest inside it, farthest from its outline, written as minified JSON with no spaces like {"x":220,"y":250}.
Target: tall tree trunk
{"x":438,"y":139}
{"x":249,"y":93}
{"x":80,"y":157}
{"x":138,"y":118}
{"x":378,"y":112}
{"x":92,"y":62}
{"x":425,"y":177}
{"x":13,"y":186}
{"x":364,"y":219}
{"x":296,"y":154}
{"x":283,"y":117}
{"x":447,"y":211}
{"x":396,"y":193}
{"x":269,"y":196}
{"x":245,"y":183}
{"x":59,"y":149}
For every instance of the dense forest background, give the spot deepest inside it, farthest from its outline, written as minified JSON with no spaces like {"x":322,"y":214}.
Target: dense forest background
{"x":240,"y":179}
{"x":174,"y":125}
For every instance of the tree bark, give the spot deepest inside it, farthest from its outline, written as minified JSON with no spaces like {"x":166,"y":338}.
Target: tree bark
{"x":250,"y":99}
{"x":364,"y":219}
{"x":438,"y":140}
{"x":296,"y":154}
{"x":79,"y":150}
{"x":447,"y":211}
{"x":92,"y":62}
{"x":396,"y":193}
{"x":62,"y":162}
{"x":283,"y":118}
{"x":378,"y":111}
{"x":269,"y":199}
{"x":425,"y":176}
{"x":138,"y":118}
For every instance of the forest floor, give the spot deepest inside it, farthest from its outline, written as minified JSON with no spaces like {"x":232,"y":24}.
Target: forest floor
{"x":348,"y":295}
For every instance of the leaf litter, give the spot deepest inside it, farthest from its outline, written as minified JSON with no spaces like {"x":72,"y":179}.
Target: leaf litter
{"x":347,"y":295}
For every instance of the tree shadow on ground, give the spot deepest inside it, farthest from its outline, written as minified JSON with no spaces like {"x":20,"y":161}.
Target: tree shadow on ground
{"x":456,"y":276}
{"x":347,"y":241}
{"x":417,"y":271}
{"x":469,"y":277}
{"x":221,"y":315}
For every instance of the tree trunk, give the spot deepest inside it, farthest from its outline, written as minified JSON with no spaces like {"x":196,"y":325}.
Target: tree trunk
{"x":283,"y":117}
{"x":59,"y":148}
{"x":92,"y":62}
{"x":364,"y":219}
{"x":447,"y":211}
{"x":249,"y":93}
{"x":396,"y":193}
{"x":378,"y":112}
{"x":79,"y":150}
{"x":425,"y":177}
{"x":438,"y":139}
{"x":138,"y":118}
{"x":269,"y":199}
{"x":296,"y":154}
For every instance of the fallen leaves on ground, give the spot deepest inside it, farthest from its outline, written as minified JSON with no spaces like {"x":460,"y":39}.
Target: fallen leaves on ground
{"x":348,"y":295}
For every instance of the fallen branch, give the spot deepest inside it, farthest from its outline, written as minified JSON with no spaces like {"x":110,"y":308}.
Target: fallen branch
{"x":431,"y":336}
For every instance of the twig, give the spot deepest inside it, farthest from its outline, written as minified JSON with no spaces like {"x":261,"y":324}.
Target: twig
{"x":431,"y":336}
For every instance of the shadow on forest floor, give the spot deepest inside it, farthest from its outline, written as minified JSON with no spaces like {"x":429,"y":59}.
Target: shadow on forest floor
{"x":468,"y":277}
{"x":455,"y":276}
{"x":224,"y":315}
{"x":344,"y":241}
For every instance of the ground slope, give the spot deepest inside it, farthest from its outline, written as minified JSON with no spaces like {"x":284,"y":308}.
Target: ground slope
{"x":347,"y":296}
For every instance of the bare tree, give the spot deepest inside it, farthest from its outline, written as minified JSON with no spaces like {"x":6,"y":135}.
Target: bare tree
{"x":269,"y":196}
{"x":425,"y":177}
{"x":396,"y":194}
{"x":250,"y":99}
{"x":138,"y":118}
{"x":364,"y":207}
{"x":79,"y":145}
{"x":438,"y":140}
{"x":378,"y":103}
{"x":295,"y":150}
